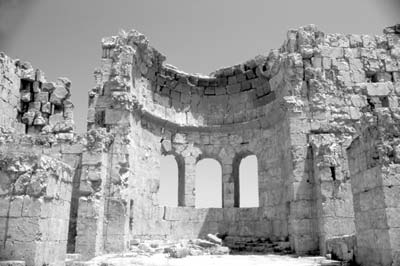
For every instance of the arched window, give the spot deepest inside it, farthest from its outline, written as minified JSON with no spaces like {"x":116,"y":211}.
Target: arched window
{"x":208,"y":184}
{"x":248,"y":182}
{"x":168,"y":191}
{"x":245,"y":176}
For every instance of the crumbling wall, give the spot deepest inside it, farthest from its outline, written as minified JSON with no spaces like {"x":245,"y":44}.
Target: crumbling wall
{"x":30,"y":103}
{"x":38,"y":156}
{"x":10,"y":83}
{"x":35,"y":200}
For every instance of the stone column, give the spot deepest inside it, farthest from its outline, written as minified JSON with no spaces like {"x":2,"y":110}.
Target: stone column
{"x":190,"y":181}
{"x":228,"y":186}
{"x":302,"y":231}
{"x":229,"y":189}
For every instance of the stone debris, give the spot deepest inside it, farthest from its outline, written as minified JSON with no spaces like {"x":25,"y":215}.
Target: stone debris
{"x":181,"y":249}
{"x":320,"y":114}
{"x":214,"y":239}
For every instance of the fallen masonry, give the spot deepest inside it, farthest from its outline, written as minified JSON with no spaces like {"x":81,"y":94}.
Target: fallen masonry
{"x":321,"y":114}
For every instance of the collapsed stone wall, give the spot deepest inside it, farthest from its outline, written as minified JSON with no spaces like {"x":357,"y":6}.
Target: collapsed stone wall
{"x":32,"y":104}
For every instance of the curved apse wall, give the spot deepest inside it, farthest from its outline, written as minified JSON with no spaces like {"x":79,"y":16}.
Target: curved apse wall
{"x":155,"y":109}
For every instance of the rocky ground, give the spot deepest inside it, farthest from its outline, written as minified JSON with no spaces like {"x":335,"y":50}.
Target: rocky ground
{"x":209,"y":260}
{"x":213,"y":251}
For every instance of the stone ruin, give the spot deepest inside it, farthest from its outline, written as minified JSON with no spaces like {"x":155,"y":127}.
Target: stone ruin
{"x":321,"y":114}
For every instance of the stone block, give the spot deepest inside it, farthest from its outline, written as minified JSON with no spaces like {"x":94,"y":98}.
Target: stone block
{"x":379,"y":89}
{"x":116,"y":117}
{"x":233,"y":89}
{"x":220,"y":91}
{"x":332,"y":52}
{"x":58,"y":95}
{"x":391,"y":195}
{"x":71,"y":148}
{"x":342,"y":248}
{"x":93,"y":158}
{"x":48,"y":87}
{"x":46,"y":108}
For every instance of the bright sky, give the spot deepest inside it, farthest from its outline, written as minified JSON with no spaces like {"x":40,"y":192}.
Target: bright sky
{"x":63,"y":37}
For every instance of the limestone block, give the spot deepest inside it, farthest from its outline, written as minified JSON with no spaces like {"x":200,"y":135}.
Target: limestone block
{"x":26,"y":96}
{"x":39,"y":121}
{"x":46,"y":107}
{"x":352,"y":53}
{"x":28,"y":117}
{"x":233,"y":89}
{"x":56,"y":119}
{"x":116,"y":116}
{"x":301,"y":209}
{"x":326,"y":62}
{"x":379,"y":89}
{"x":48,"y":87}
{"x":357,"y":71}
{"x":342,"y":248}
{"x":58,"y":95}
{"x":368,"y":41}
{"x":68,"y":113}
{"x":372,"y":199}
{"x":332,"y":52}
{"x":42,"y":97}
{"x":391,"y":65}
{"x":214,"y":214}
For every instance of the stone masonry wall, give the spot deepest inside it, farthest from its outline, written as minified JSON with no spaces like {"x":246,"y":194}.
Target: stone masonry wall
{"x":39,"y":157}
{"x":339,"y":77}
{"x":154,"y":109}
{"x":296,"y":109}
{"x":374,"y":166}
{"x":35,"y":195}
